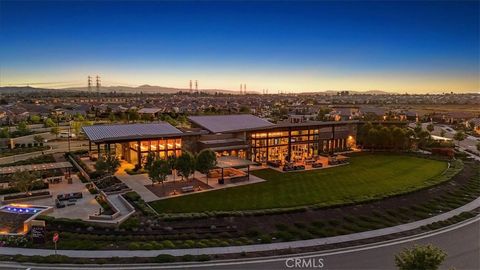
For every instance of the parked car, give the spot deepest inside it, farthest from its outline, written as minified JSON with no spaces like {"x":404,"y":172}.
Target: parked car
{"x":66,"y":134}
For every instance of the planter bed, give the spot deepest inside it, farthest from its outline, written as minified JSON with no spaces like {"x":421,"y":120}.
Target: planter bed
{"x":20,"y":197}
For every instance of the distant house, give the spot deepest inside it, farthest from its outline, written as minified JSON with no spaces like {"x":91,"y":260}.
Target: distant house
{"x":340,"y":113}
{"x":372,"y":112}
{"x":474,"y":124}
{"x":151,"y":112}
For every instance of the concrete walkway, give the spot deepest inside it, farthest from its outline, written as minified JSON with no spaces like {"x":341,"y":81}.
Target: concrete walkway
{"x":248,"y":248}
{"x":137,"y":183}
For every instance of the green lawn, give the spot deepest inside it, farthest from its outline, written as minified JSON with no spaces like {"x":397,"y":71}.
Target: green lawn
{"x":367,"y":177}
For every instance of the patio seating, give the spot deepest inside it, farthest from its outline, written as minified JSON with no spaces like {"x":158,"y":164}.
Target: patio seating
{"x":274,"y":163}
{"x":317,"y":165}
{"x":59,"y":204}
{"x":68,"y":196}
{"x":187,"y":189}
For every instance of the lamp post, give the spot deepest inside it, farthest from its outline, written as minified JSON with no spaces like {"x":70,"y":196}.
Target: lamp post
{"x":69,"y":134}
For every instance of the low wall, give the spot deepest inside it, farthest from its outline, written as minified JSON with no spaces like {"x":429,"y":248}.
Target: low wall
{"x":115,"y":214}
{"x":26,"y":198}
{"x":80,"y":169}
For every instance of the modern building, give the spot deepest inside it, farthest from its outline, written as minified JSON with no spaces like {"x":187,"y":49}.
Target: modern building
{"x":244,"y":136}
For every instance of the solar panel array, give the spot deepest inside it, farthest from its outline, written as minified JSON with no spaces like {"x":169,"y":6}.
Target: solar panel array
{"x":226,"y":123}
{"x":98,"y":133}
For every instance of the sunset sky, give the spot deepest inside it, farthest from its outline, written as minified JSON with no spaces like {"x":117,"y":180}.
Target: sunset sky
{"x":310,"y":46}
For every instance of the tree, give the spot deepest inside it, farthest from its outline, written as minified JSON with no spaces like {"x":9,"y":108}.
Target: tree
{"x":133,"y":116}
{"x":171,"y":161}
{"x":35,"y":119}
{"x":55,"y":131}
{"x":423,"y":138}
{"x":49,"y":123}
{"x":107,"y":165}
{"x":399,"y":138}
{"x":420,"y":258}
{"x":185,"y":164}
{"x":206,"y":160}
{"x":23,"y":180}
{"x":322,"y":112}
{"x":478,"y":146}
{"x":418,"y":128}
{"x":159,"y":171}
{"x":430,"y":127}
{"x":111,"y":117}
{"x":22,"y":128}
{"x":459,"y":136}
{"x":38,"y":139}
{"x":149,"y":161}
{"x":79,"y":117}
{"x":245,"y":109}
{"x":4,"y":133}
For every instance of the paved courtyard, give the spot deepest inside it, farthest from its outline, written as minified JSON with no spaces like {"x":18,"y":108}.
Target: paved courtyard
{"x":141,"y":184}
{"x":83,"y":207}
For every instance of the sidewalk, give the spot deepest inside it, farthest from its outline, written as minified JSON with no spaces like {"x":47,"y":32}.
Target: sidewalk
{"x":248,"y":248}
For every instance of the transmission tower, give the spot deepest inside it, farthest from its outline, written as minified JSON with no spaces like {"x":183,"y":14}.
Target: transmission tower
{"x":98,"y":85}
{"x":196,"y":86}
{"x":89,"y":84}
{"x":191,"y":87}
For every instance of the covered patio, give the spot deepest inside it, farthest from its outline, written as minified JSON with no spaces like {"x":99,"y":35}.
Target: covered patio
{"x":228,"y":168}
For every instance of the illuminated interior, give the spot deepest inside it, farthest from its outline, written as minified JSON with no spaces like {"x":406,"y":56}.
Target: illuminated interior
{"x":299,"y":144}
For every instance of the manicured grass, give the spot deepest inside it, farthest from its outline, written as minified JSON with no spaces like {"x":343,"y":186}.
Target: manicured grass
{"x":367,"y":177}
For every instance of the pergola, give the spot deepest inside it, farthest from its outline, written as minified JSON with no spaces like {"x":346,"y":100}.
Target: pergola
{"x":37,"y":167}
{"x":225,"y":162}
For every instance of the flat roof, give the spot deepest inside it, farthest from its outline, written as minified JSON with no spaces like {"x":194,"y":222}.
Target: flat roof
{"x":36,"y":167}
{"x":149,"y":110}
{"x":228,"y":123}
{"x":124,"y":132}
{"x":231,"y":161}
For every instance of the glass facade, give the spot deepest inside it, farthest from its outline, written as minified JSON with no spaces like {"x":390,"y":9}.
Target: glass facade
{"x":297,"y":144}
{"x":162,"y":148}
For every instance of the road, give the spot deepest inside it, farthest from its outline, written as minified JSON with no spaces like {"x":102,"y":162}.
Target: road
{"x":460,"y":242}
{"x":56,"y":147}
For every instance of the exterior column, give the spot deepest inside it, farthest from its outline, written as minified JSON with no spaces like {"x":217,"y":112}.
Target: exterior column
{"x":98,"y":150}
{"x":289,"y":145}
{"x":139,"y":154}
{"x":267,"y":147}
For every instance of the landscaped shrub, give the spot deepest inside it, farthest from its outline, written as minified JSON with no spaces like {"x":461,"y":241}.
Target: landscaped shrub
{"x":130,"y":223}
{"x":13,"y":241}
{"x":134,"y":246}
{"x":167,"y":244}
{"x":164,"y":258}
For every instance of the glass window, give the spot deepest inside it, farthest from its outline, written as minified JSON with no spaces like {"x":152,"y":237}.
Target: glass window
{"x":145,"y":146}
{"x":133,"y":145}
{"x":154,"y":145}
{"x":162,"y":144}
{"x":170,"y":144}
{"x":178,"y":143}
